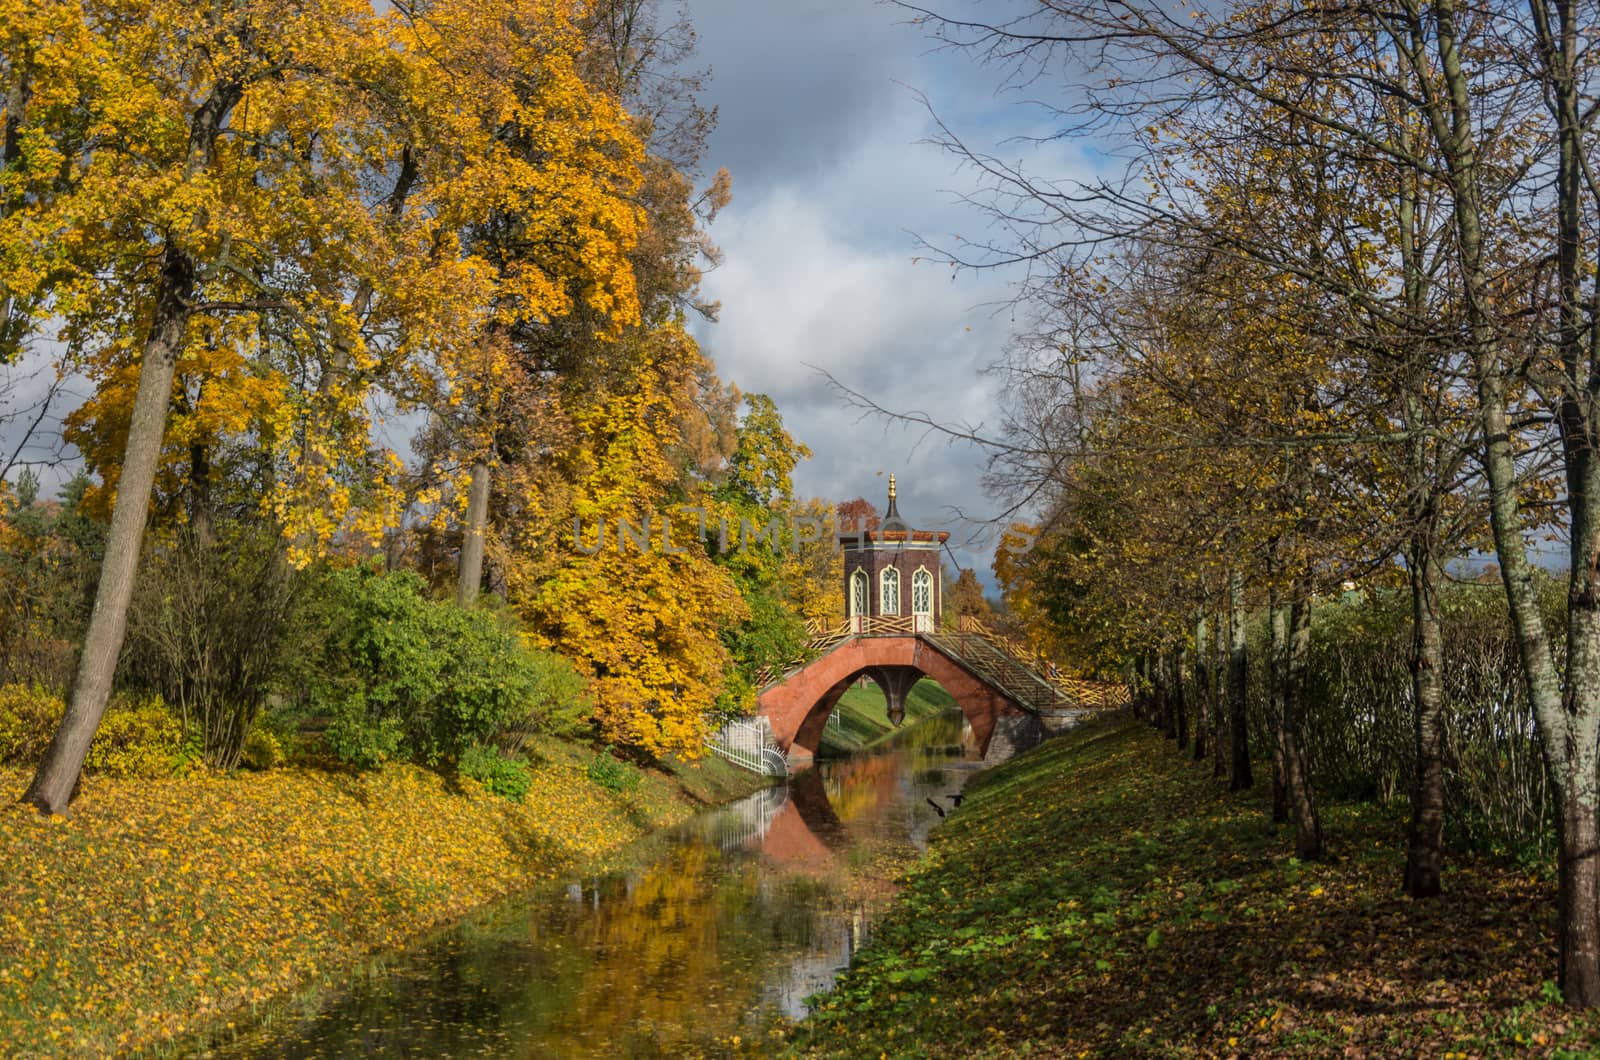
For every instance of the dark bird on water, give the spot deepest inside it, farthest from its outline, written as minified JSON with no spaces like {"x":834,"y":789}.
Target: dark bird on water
{"x":956,"y":798}
{"x":936,"y":807}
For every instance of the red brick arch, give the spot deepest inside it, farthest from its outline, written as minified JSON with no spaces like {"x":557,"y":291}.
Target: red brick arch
{"x":798,"y":708}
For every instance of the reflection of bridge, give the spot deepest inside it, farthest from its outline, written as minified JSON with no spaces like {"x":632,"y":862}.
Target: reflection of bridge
{"x":787,"y":822}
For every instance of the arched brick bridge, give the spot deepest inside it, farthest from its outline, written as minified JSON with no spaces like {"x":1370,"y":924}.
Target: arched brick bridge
{"x":1000,"y":694}
{"x":894,"y":634}
{"x":798,"y":707}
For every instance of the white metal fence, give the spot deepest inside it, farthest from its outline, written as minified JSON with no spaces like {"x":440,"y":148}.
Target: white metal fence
{"x":748,"y":742}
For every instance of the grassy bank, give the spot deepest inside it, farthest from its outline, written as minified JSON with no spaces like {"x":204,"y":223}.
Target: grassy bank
{"x":1102,"y":895}
{"x":861,"y":718}
{"x":162,"y":907}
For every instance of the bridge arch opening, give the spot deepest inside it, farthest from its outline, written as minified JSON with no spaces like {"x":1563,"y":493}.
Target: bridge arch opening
{"x":876,"y":703}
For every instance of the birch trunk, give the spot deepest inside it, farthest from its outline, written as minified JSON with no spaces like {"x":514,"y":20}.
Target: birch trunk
{"x":1219,"y":699}
{"x":1179,"y":666}
{"x":1569,"y":719}
{"x":469,"y":574}
{"x":1277,"y":632}
{"x":1202,"y":686}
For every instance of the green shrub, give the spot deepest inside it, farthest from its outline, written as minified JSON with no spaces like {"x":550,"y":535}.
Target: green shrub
{"x":558,"y":702}
{"x":613,"y":774}
{"x":399,"y":675}
{"x":362,"y":737}
{"x":1358,"y":723}
{"x":28,"y":719}
{"x":505,"y":775}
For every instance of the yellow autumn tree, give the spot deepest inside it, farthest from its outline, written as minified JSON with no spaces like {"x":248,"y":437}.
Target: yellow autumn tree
{"x":593,"y":573}
{"x":193,"y":204}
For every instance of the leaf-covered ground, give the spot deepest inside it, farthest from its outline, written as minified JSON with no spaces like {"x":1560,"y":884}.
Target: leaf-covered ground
{"x":1103,"y":896}
{"x":159,"y":908}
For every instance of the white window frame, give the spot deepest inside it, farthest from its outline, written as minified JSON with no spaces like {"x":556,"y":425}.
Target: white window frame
{"x":889,"y":578}
{"x":922,"y":579}
{"x":860,"y":593}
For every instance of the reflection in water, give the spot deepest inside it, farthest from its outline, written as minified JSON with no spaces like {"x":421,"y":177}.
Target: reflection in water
{"x":723,"y":925}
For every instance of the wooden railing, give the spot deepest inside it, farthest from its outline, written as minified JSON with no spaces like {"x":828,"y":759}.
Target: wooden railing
{"x":1082,"y":693}
{"x":1095,"y":695}
{"x":870,"y":626}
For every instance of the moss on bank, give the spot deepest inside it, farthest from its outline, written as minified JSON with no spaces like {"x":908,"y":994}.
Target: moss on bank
{"x":161,"y":907}
{"x":1101,"y":895}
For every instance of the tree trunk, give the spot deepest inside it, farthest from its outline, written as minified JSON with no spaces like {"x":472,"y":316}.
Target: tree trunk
{"x":1202,"y":685}
{"x":1219,"y":699}
{"x":200,"y":495}
{"x":1277,"y":630}
{"x":1179,"y":667}
{"x":1152,"y":673}
{"x":1302,"y":800}
{"x":1238,"y":675}
{"x":469,"y":574}
{"x":53,"y":785}
{"x":1425,"y":837}
{"x":1170,"y":676}
{"x":1568,"y":722}
{"x":1559,"y":24}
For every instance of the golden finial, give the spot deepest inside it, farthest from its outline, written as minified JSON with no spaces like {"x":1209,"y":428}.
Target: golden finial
{"x":891,"y":485}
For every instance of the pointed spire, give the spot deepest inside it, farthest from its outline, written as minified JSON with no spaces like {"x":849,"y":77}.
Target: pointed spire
{"x":891,"y":518}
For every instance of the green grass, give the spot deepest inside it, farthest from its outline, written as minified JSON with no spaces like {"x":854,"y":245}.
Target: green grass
{"x":861,"y":720}
{"x":1102,"y":895}
{"x":712,"y":781}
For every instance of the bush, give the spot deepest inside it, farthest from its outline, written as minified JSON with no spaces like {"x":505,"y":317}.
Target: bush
{"x":613,"y":774}
{"x":139,"y":738}
{"x":505,"y":775}
{"x":262,"y":750}
{"x":401,"y":676}
{"x":1358,"y":725}
{"x":207,"y":628}
{"x":28,"y":719}
{"x":49,"y":565}
{"x":558,"y":702}
{"x":361,"y":737}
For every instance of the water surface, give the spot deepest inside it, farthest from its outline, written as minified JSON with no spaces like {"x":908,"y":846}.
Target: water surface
{"x":715,"y":930}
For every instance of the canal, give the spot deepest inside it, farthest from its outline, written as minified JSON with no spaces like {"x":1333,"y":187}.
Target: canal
{"x":701,"y":935}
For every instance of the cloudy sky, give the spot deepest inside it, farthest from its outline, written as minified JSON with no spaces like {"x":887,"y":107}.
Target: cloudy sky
{"x":820,"y":126}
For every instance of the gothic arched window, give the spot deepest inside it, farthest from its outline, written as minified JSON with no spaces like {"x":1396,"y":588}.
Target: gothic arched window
{"x":889,"y":592}
{"x":922,"y":592}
